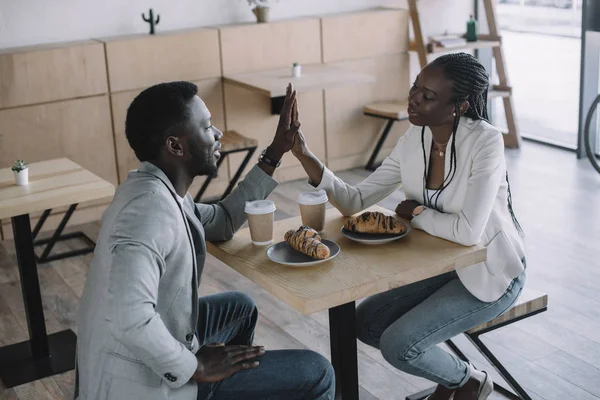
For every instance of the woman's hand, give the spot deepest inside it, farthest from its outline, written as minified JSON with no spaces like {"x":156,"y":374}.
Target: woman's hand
{"x":300,"y":148}
{"x":311,"y":164}
{"x":406,"y":208}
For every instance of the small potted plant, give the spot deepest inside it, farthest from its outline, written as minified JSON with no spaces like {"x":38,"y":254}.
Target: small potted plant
{"x":21,"y":170}
{"x":261,"y":8}
{"x":296,"y":70}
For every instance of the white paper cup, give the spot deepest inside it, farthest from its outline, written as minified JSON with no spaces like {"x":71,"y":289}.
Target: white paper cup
{"x":261,"y":215}
{"x":312,"y":209}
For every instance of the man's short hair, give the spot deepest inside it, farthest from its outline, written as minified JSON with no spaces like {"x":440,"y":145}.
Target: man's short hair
{"x":153,"y":113}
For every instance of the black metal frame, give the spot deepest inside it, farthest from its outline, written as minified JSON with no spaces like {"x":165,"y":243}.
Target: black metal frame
{"x":235,"y":178}
{"x":57,"y":236}
{"x":277,"y":105}
{"x":42,"y":355}
{"x":386,"y":131}
{"x":521,"y":394}
{"x":344,"y":351}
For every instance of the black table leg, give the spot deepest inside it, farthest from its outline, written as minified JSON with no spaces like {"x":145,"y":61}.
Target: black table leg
{"x":43,"y":355}
{"x":344,"y":357}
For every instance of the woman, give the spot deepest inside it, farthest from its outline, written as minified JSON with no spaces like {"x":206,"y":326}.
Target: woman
{"x":451,"y":165}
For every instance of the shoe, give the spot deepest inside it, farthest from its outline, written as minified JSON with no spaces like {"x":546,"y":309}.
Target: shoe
{"x":486,"y":388}
{"x":441,"y":393}
{"x":478,"y":387}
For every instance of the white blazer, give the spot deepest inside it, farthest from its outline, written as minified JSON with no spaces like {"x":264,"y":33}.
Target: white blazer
{"x":475,"y":202}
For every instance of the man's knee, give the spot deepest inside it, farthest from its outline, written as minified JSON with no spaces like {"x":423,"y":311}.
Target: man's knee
{"x":318,"y":376}
{"x":242,"y":302}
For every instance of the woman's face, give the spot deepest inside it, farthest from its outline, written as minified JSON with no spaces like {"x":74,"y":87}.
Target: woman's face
{"x":430,"y":100}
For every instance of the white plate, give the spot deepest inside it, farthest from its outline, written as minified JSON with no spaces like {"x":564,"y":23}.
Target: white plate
{"x":283,"y":253}
{"x":375,"y":238}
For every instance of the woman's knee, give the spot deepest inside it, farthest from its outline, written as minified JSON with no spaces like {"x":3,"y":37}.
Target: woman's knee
{"x":397,"y":348}
{"x":367,"y":329}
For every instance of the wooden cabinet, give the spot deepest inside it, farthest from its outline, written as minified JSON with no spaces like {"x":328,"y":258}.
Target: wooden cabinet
{"x":373,"y":42}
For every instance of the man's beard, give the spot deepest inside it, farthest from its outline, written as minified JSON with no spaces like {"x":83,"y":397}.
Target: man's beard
{"x":205,"y":163}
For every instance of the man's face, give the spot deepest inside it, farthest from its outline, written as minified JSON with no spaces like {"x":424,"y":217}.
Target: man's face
{"x":201,"y":141}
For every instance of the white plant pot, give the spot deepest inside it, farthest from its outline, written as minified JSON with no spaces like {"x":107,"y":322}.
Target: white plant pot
{"x":22,"y":177}
{"x":297,"y":71}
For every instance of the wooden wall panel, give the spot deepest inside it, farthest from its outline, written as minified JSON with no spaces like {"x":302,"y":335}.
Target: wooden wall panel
{"x":364,"y":34}
{"x":351,"y":135}
{"x":255,"y":47}
{"x":210,"y":90}
{"x":250,"y":114}
{"x":33,"y":75}
{"x":78,"y":129}
{"x":136,"y":62}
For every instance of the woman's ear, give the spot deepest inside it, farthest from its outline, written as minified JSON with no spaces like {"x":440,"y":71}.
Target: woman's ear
{"x":174,"y":145}
{"x":464,"y":107}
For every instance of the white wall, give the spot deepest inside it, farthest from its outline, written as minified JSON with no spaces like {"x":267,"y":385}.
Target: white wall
{"x":26,"y":22}
{"x":29,"y":22}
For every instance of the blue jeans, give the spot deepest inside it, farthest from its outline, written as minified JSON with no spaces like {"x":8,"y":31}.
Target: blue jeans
{"x":408,"y":323}
{"x":230,"y":318}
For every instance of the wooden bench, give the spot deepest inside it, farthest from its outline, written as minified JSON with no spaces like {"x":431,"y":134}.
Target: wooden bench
{"x":231,"y":142}
{"x":529,"y":304}
{"x":391,"y":112}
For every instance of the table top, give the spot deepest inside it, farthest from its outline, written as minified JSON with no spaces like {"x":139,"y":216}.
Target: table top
{"x":52,"y":184}
{"x":358,"y":271}
{"x":273,"y":83}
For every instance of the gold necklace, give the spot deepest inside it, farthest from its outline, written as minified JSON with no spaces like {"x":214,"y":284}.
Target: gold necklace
{"x":441,"y":148}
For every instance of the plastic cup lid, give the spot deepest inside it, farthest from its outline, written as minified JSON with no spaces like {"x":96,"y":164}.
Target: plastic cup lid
{"x":313,"y":198}
{"x":259,"y":207}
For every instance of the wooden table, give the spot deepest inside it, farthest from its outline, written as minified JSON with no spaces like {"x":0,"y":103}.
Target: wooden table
{"x":357,"y":272}
{"x":54,"y":183}
{"x":273,"y":83}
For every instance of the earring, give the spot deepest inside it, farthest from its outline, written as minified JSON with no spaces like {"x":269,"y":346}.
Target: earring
{"x":454,"y":114}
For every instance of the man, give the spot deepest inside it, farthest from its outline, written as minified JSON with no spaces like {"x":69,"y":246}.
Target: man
{"x":143,"y":332}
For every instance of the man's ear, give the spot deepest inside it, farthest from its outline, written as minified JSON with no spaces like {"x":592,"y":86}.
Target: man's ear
{"x":174,"y":145}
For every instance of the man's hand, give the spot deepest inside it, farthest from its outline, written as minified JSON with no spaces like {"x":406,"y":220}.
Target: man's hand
{"x":216,"y":363}
{"x":286,"y":128}
{"x":406,"y":208}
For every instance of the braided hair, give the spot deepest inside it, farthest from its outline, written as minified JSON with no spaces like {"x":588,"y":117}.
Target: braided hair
{"x":470,"y":83}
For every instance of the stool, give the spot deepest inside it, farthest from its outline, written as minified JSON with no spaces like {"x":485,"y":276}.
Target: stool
{"x":391,"y":112}
{"x":231,"y":142}
{"x":57,"y":236}
{"x":529,"y":304}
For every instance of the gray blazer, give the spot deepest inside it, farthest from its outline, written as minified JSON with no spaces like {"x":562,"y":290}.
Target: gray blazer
{"x":137,"y":316}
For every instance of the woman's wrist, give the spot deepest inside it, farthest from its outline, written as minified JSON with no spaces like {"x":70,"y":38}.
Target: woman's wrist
{"x":305,"y":155}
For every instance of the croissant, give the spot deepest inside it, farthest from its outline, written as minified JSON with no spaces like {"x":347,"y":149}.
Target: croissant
{"x":374,"y":222}
{"x":307,"y":241}
{"x":307,"y":232}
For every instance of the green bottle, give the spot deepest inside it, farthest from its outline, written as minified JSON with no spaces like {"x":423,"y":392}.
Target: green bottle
{"x":471,"y":30}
